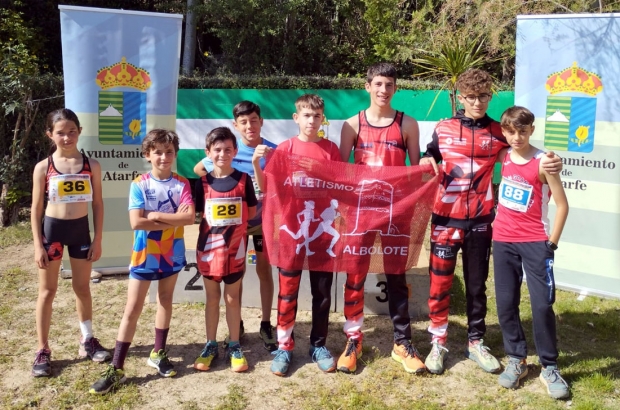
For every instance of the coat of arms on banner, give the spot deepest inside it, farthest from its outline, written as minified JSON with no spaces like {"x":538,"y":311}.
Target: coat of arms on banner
{"x":122,"y":114}
{"x":323,"y":132}
{"x":570,"y":121}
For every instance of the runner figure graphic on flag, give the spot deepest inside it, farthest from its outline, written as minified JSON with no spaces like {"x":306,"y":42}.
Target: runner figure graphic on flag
{"x":328,"y":216}
{"x":304,"y":226}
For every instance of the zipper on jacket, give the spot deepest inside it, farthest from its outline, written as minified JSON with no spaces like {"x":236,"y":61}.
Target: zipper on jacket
{"x":471,"y":165}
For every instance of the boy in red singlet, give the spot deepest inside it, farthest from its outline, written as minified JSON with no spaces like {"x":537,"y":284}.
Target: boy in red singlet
{"x":227,"y":198}
{"x":523,"y":243}
{"x":380,"y":136}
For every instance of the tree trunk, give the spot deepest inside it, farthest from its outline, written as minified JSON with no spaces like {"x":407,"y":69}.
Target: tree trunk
{"x":453,"y":101}
{"x":8,"y":212}
{"x":189,"y":47}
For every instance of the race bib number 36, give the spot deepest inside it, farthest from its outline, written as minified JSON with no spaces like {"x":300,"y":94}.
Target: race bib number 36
{"x":70,"y":188}
{"x":515,"y":195}
{"x":224,"y":211}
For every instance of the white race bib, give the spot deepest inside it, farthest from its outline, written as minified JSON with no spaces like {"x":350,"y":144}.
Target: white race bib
{"x":515,"y":195}
{"x":68,"y":188}
{"x":224,"y":211}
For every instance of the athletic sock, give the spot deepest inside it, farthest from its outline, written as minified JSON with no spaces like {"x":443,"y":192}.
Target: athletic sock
{"x":265,"y":324}
{"x":86,"y":328}
{"x":161,"y":335}
{"x":120,"y":353}
{"x":232,"y":343}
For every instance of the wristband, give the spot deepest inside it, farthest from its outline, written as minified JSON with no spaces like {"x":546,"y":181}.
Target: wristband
{"x":552,"y":245}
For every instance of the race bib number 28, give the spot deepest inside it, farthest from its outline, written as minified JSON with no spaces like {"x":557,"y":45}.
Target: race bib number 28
{"x":224,"y":211}
{"x":515,"y":195}
{"x":70,"y":188}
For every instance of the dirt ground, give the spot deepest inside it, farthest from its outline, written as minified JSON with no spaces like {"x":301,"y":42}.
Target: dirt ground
{"x":379,"y":381}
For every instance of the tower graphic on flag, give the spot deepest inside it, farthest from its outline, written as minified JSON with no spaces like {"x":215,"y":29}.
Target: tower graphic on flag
{"x":570,"y":121}
{"x":122,"y":114}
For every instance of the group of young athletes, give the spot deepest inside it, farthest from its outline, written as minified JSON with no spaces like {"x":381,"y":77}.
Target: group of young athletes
{"x":230,"y":194}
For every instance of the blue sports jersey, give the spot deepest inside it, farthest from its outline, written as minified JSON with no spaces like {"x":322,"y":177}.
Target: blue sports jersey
{"x":243,"y":163}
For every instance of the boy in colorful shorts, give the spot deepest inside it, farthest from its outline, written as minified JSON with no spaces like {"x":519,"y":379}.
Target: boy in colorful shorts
{"x":160,"y":204}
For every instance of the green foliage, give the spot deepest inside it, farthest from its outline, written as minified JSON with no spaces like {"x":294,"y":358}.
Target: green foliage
{"x":452,"y":60}
{"x":284,"y":37}
{"x":199,"y":81}
{"x":17,"y":234}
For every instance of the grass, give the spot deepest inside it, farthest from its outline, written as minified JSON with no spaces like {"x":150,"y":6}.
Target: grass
{"x":234,"y":400}
{"x":588,"y":339}
{"x":18,"y":234}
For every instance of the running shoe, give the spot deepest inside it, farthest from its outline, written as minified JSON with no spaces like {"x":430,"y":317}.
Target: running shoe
{"x":323,"y":358}
{"x":159,"y":360}
{"x":555,"y":384}
{"x":42,"y":366}
{"x":347,"y":362}
{"x":434,"y":360}
{"x":110,"y":379}
{"x":409,"y":357}
{"x":267,"y":335}
{"x":281,"y":361}
{"x":479,"y":353}
{"x":515,"y":370}
{"x":238,"y":362}
{"x":92,"y":349}
{"x":208,"y":354}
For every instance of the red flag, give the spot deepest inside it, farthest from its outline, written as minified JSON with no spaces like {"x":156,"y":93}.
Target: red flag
{"x":340,"y":217}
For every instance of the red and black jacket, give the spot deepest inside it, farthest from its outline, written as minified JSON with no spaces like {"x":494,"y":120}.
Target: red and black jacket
{"x":468,"y":149}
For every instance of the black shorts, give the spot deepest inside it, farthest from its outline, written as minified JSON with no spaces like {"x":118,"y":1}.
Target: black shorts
{"x":74,"y":233}
{"x":228,"y":279}
{"x":258,"y":242}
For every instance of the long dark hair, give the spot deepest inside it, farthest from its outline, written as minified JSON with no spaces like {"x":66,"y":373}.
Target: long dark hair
{"x":61,"y":114}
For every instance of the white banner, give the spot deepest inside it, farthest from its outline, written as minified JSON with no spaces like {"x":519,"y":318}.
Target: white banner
{"x":566,"y":70}
{"x":121,"y":76}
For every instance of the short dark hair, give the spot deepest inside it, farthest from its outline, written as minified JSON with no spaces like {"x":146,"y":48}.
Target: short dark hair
{"x":245,"y":108}
{"x":220,"y":134}
{"x":312,"y":101}
{"x":380,"y":70}
{"x":474,"y":80}
{"x":160,"y":136}
{"x":517,"y":118}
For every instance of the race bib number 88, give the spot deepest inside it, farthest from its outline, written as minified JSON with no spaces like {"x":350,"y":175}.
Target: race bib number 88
{"x":70,"y":188}
{"x":515,"y":195}
{"x":224,"y":211}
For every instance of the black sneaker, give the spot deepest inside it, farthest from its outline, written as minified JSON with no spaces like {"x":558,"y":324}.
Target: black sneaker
{"x":269,"y":340}
{"x":42,"y":366}
{"x":110,"y":378}
{"x":92,"y":349}
{"x":159,"y":360}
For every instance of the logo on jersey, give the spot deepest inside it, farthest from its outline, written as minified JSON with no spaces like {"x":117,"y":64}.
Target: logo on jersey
{"x":122,"y":114}
{"x":570,"y":120}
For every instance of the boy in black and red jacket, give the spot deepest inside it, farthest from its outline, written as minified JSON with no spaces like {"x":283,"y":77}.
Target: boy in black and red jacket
{"x":468,"y":145}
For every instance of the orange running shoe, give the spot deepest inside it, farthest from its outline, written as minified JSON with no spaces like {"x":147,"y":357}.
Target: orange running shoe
{"x":347,"y":363}
{"x":409,"y":357}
